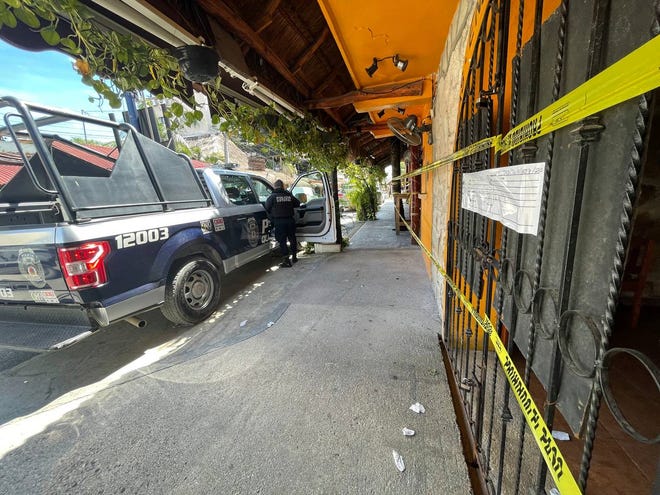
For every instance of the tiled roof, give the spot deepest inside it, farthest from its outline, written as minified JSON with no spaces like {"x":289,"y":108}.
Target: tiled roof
{"x":7,"y":173}
{"x":88,"y":157}
{"x":199,"y":164}
{"x":104,"y":150}
{"x":10,"y":158}
{"x":10,"y":163}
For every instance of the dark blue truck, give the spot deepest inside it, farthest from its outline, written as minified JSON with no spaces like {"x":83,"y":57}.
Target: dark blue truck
{"x":95,"y":233}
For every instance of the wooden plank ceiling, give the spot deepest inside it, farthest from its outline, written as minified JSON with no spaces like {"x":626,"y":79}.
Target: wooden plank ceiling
{"x":310,"y":54}
{"x":314,"y":55}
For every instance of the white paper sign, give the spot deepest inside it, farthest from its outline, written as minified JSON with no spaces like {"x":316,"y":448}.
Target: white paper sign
{"x":511,"y":195}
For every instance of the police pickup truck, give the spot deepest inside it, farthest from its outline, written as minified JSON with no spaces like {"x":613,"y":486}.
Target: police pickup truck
{"x":91,"y":234}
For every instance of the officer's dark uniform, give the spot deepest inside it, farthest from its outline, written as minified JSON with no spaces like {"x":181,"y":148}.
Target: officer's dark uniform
{"x":280,"y":205}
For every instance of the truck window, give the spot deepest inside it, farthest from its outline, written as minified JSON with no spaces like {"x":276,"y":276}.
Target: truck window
{"x":262,"y":189}
{"x":238,"y":189}
{"x":309,"y":187}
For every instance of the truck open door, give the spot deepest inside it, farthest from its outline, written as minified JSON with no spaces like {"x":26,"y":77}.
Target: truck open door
{"x":315,"y":219}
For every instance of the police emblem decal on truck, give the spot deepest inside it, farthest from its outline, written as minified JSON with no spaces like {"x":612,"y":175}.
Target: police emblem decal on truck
{"x":205,"y":225}
{"x":253,"y":234}
{"x":30,"y":266}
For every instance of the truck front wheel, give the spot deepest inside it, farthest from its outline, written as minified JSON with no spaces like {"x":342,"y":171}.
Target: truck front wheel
{"x":192,"y":293}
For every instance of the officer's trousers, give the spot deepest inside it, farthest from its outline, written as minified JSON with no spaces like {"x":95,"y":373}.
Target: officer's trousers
{"x":285,"y":229}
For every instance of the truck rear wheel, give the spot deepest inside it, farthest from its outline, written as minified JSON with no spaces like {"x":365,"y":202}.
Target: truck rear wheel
{"x":192,"y":293}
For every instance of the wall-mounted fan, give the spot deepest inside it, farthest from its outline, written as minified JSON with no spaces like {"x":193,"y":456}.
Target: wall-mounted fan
{"x":408,"y":131}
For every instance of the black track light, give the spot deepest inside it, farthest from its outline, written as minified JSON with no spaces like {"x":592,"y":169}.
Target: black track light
{"x":372,"y":68}
{"x":399,"y":63}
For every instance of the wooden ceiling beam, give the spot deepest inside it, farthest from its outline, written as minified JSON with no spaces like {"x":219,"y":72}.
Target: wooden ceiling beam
{"x":327,"y":81}
{"x":243,"y":30}
{"x":336,"y":117}
{"x":294,"y":21}
{"x":267,"y":15}
{"x":309,"y":53}
{"x":389,"y":91}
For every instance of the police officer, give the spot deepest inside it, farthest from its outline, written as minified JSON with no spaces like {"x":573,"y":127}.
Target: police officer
{"x":279,"y":206}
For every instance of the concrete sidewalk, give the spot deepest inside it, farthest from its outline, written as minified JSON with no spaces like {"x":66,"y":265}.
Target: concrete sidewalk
{"x":301,"y":384}
{"x":381,"y":234}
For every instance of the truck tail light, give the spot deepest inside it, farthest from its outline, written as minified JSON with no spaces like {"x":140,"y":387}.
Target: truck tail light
{"x":83,"y":266}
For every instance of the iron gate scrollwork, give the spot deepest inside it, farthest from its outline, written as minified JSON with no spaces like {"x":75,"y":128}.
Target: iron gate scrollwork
{"x":552,"y":296}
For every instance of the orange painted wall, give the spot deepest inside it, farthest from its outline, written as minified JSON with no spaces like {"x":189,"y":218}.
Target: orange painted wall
{"x":549,"y":7}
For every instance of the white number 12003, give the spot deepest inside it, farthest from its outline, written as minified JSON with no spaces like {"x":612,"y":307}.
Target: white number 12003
{"x":131,"y":239}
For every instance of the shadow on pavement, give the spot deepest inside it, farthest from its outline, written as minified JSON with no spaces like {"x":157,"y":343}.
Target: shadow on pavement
{"x":33,"y":381}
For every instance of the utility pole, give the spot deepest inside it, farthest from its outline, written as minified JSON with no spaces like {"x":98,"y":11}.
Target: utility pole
{"x":224,"y":134}
{"x":82,"y":112}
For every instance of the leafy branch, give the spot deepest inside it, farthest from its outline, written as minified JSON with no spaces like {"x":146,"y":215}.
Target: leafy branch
{"x":296,"y":138}
{"x":111,"y":63}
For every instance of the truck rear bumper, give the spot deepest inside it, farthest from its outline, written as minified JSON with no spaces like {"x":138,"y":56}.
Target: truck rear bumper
{"x":105,"y":315}
{"x":42,"y":327}
{"x":52,"y":326}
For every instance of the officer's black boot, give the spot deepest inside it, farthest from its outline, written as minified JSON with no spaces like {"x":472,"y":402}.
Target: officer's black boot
{"x":294,"y":258}
{"x":286,"y":262}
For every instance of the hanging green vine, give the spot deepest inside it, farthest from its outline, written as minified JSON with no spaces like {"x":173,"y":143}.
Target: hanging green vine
{"x":113,"y":64}
{"x":295,"y":137}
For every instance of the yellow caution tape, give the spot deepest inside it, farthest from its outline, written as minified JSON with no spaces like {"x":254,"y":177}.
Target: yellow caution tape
{"x":484,"y":144}
{"x":556,"y":463}
{"x":633,"y":75}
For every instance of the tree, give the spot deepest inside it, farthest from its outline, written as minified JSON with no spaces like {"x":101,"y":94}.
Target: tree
{"x":363,"y":194}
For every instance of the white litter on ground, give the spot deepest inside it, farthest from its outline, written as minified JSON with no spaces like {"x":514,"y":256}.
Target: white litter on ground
{"x":398,"y":461}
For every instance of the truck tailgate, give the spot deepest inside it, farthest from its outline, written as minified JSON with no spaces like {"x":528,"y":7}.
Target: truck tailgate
{"x":36,"y":307}
{"x":29,"y":267}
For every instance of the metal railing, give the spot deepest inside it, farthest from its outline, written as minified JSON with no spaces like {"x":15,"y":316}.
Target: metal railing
{"x":533,"y":287}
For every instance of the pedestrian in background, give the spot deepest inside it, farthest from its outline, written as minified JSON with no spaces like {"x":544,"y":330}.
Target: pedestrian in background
{"x":280,"y":208}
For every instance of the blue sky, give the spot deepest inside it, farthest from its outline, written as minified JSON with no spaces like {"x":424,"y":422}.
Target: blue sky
{"x":45,"y":77}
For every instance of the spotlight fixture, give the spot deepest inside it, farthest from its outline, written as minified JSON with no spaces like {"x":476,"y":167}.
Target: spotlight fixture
{"x":381,"y":113}
{"x":399,"y":63}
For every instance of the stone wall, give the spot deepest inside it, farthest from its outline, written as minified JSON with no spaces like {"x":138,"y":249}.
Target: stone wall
{"x":445,"y":121}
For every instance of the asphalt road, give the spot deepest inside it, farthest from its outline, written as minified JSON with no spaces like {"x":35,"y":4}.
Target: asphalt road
{"x":11,"y":356}
{"x":300,"y":383}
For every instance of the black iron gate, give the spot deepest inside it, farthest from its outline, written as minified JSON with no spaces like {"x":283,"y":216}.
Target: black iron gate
{"x":553,"y":296}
